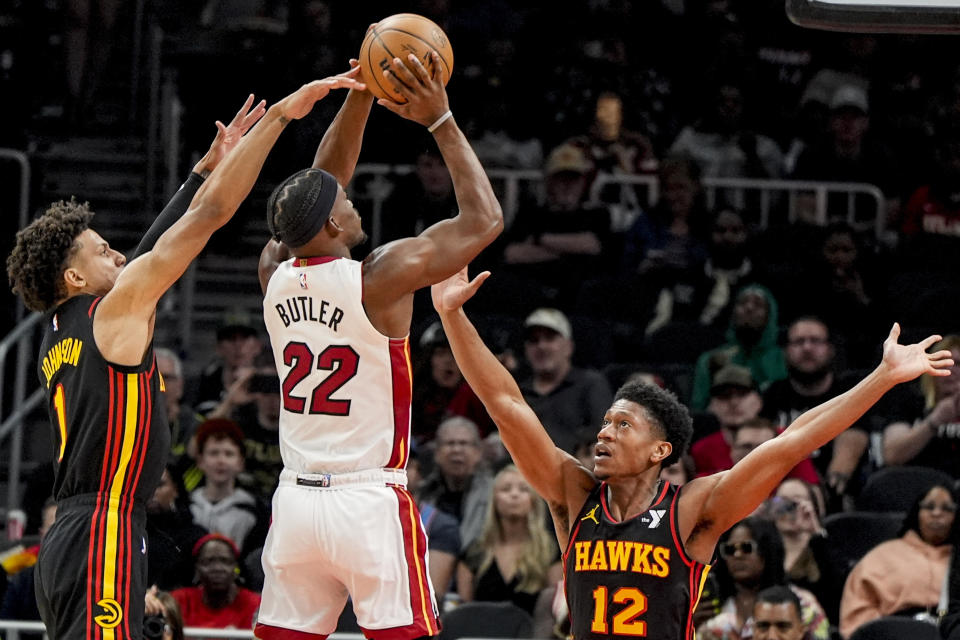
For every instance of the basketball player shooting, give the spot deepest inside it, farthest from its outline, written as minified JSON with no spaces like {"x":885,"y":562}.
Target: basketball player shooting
{"x":97,"y":366}
{"x":343,"y":521}
{"x":637,"y":549}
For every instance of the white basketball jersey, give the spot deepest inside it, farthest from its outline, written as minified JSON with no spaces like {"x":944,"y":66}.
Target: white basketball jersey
{"x":345,"y":387}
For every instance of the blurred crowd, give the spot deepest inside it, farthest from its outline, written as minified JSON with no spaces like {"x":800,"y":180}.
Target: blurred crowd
{"x":750,"y":324}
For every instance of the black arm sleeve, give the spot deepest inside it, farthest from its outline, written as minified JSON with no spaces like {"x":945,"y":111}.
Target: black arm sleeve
{"x":171,"y":213}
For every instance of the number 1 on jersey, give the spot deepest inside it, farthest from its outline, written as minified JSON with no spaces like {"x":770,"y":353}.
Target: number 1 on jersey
{"x":60,"y":404}
{"x":342,"y":363}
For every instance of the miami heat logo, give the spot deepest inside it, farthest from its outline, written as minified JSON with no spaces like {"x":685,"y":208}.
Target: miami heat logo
{"x":113,"y":613}
{"x":592,"y":515}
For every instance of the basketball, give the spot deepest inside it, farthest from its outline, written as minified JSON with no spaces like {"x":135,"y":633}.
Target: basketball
{"x":396,"y":37}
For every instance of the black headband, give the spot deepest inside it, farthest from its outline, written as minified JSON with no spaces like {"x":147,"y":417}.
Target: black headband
{"x":308,"y":213}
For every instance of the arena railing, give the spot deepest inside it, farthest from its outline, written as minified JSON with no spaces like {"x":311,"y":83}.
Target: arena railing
{"x":21,"y":339}
{"x":760,"y":199}
{"x":12,"y":629}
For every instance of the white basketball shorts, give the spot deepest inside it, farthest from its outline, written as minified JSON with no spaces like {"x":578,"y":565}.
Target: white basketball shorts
{"x":354,"y":534}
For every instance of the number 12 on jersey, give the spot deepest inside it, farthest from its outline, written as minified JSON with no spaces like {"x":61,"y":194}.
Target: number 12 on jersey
{"x":340,"y":360}
{"x":625,"y":621}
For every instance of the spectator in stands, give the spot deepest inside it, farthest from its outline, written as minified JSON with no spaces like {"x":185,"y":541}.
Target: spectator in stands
{"x":734,"y":401}
{"x":777,"y":615}
{"x":751,"y":342}
{"x":795,"y":510}
{"x":850,"y":155}
{"x":237,"y":346}
{"x":261,"y":436}
{"x":439,"y":390}
{"x":904,"y":576}
{"x":171,"y":532}
{"x":217,"y":601}
{"x":515,"y":556}
{"x":934,"y":208}
{"x":220,"y":505}
{"x":924,"y":429}
{"x":443,"y":533}
{"x":554,"y":244}
{"x":751,"y":560}
{"x":19,"y":601}
{"x":419,"y":200}
{"x":460,"y":483}
{"x":672,"y":236}
{"x":723,"y":142}
{"x":812,"y":381}
{"x":704,"y":293}
{"x":680,"y":472}
{"x":839,"y":287}
{"x":183,"y":419}
{"x":564,"y":397}
{"x":172,"y":617}
{"x":612,"y":148}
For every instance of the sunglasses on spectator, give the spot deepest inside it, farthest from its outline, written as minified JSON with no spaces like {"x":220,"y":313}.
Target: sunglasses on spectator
{"x":948,"y":507}
{"x":729,"y":549}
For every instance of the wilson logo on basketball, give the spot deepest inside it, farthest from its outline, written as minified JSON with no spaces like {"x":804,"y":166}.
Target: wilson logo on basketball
{"x":112,"y":616}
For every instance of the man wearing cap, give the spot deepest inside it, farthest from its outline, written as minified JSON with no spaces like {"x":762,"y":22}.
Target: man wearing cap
{"x":848,"y":154}
{"x":344,"y":522}
{"x":556,"y":244}
{"x":564,"y":397}
{"x":734,"y":402}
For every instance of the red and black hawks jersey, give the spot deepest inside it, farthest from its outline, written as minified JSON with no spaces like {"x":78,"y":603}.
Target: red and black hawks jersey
{"x":110,"y":429}
{"x":631,"y":578}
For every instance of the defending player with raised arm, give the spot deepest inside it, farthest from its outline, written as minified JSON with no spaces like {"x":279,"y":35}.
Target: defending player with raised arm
{"x":339,"y":331}
{"x":636,"y":548}
{"x":98,"y":368}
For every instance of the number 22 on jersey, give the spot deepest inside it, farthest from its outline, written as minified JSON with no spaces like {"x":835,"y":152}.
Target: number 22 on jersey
{"x":340,"y":360}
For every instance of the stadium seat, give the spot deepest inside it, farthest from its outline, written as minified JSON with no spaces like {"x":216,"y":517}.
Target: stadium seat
{"x":896,"y":628}
{"x":896,"y":488}
{"x":852,"y":534}
{"x":486,"y":620}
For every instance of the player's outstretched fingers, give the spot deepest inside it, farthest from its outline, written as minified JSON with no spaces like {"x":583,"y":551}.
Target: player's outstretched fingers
{"x":402,"y":73}
{"x":418,"y":70}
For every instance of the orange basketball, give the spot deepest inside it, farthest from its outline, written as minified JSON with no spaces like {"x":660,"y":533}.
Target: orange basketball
{"x":396,"y":37}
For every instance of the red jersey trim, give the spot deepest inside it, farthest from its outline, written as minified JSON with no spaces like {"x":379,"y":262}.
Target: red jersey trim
{"x":673,"y":532}
{"x":425,"y":622}
{"x":402,"y":383}
{"x":93,"y":305}
{"x":269,"y":632}
{"x":312,"y":261}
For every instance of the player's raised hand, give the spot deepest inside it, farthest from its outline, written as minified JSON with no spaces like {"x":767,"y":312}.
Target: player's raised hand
{"x":452,"y":293}
{"x":300,"y":102}
{"x":906,"y":362}
{"x":422,"y":88}
{"x":229,"y":135}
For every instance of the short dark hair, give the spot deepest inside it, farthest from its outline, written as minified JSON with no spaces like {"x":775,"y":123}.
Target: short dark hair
{"x":220,"y":429}
{"x":35,"y":266}
{"x":665,"y":411}
{"x":781,"y":594}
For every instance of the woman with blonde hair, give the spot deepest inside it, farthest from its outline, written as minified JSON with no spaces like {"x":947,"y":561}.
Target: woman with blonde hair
{"x":926,"y":432}
{"x":515,"y":556}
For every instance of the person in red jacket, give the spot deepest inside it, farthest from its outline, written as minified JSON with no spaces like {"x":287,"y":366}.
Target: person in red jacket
{"x":217,"y":601}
